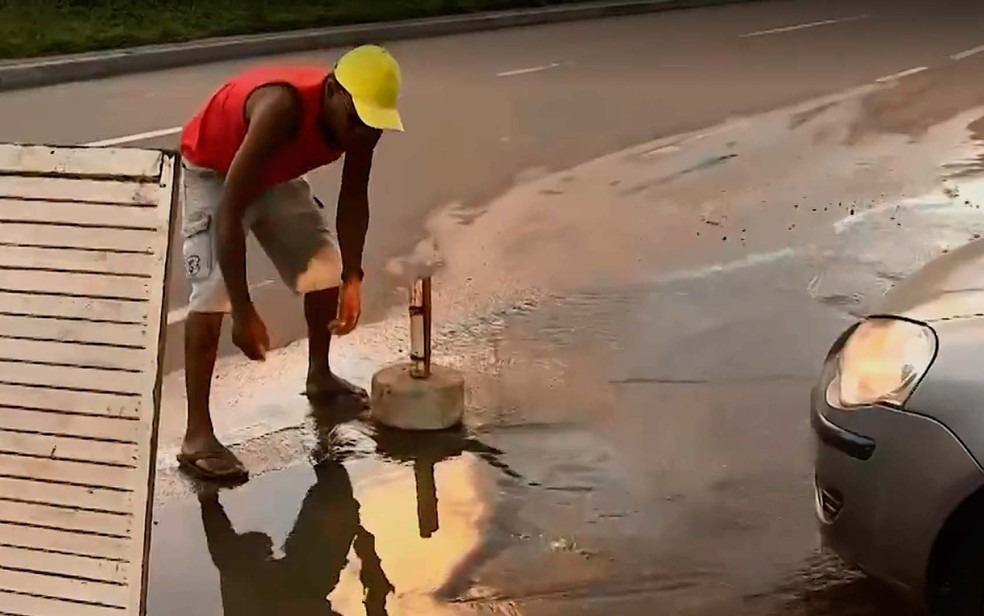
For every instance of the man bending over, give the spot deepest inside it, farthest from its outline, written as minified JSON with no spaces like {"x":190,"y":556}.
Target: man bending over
{"x":245,"y":154}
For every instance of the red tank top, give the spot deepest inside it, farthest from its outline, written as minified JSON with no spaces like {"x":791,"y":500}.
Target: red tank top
{"x":212,"y":138}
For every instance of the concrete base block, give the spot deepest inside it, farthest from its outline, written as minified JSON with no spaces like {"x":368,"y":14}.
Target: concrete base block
{"x":401,"y":401}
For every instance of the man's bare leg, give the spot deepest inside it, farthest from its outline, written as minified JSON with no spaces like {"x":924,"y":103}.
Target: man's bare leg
{"x":320,"y":308}
{"x":201,"y":450}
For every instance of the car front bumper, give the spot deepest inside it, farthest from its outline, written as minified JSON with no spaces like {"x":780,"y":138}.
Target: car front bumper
{"x":885,"y":483}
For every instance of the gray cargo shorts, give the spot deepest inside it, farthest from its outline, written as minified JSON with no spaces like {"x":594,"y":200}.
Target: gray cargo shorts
{"x":287,"y":223}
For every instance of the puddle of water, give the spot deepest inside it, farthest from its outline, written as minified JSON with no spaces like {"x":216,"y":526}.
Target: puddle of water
{"x":387,"y":533}
{"x":822,"y":586}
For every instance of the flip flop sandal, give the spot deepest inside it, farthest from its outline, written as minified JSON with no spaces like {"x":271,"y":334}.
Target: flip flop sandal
{"x":197,"y":464}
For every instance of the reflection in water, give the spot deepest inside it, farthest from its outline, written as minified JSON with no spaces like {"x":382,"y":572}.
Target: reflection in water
{"x":427,"y":518}
{"x":424,"y":451}
{"x":315,"y":553}
{"x":340,"y":556}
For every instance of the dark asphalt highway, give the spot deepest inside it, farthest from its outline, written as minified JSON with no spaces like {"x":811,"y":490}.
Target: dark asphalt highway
{"x":477,"y":119}
{"x":650,"y":229}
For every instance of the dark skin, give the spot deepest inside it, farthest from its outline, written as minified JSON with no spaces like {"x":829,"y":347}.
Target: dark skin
{"x":273,"y":115}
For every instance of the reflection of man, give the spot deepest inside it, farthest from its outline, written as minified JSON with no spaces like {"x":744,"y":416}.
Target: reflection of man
{"x":248,"y":574}
{"x":315,"y":554}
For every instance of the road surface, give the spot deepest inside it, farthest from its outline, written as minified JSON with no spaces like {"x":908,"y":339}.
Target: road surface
{"x":650,"y":229}
{"x":529,"y":98}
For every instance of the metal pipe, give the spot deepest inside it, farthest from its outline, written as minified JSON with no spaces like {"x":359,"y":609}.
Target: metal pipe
{"x":420,"y":328}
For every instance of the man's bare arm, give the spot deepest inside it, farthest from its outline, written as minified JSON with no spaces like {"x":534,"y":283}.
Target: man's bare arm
{"x":352,"y":214}
{"x":273,"y":116}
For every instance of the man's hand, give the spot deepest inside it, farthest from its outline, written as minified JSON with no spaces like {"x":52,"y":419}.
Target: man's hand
{"x":349,"y":308}
{"x":249,"y":333}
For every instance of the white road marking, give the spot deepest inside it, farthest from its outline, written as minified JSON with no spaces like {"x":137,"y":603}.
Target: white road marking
{"x":901,"y":74}
{"x":164,"y":132}
{"x":812,"y":24}
{"x":666,"y":149}
{"x":180,"y":314}
{"x":752,"y":260}
{"x":717,"y":130}
{"x":967,"y":53}
{"x":525,"y":71}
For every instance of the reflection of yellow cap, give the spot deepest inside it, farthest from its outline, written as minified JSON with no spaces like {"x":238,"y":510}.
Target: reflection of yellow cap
{"x":372,"y":76}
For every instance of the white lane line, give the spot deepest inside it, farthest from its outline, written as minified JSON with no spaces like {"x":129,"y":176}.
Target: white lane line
{"x":180,"y":314}
{"x":525,"y":71}
{"x":812,"y":24}
{"x":967,"y":53}
{"x":752,"y":260}
{"x":901,"y":74}
{"x":164,"y":132}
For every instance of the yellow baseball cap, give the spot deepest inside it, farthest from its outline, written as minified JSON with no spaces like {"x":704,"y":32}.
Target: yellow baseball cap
{"x":372,"y":76}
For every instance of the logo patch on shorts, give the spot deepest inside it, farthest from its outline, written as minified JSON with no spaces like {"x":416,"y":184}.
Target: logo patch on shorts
{"x":193,"y":266}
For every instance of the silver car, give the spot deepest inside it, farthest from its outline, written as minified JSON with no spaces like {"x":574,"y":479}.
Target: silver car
{"x":899,"y":417}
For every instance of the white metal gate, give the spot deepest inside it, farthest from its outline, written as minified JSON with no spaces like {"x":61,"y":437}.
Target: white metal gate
{"x":83,"y":255}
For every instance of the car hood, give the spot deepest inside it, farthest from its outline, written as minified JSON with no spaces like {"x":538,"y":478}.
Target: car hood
{"x":949,"y":287}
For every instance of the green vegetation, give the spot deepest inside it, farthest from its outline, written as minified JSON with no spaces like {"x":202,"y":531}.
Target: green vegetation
{"x":42,"y":27}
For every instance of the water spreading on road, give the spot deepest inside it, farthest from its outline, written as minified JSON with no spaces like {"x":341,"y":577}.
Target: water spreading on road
{"x":639,"y":334}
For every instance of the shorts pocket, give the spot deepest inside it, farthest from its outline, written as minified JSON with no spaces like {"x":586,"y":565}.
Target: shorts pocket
{"x":197,"y":248}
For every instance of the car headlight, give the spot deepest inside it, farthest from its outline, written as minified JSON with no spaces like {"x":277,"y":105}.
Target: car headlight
{"x":882,"y":362}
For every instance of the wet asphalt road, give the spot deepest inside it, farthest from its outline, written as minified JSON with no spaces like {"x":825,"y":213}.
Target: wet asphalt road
{"x":645,"y":253}
{"x":475,"y":125}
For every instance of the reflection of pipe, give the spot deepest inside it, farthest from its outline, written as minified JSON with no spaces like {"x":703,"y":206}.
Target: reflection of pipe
{"x":427,"y":520}
{"x":420,"y":328}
